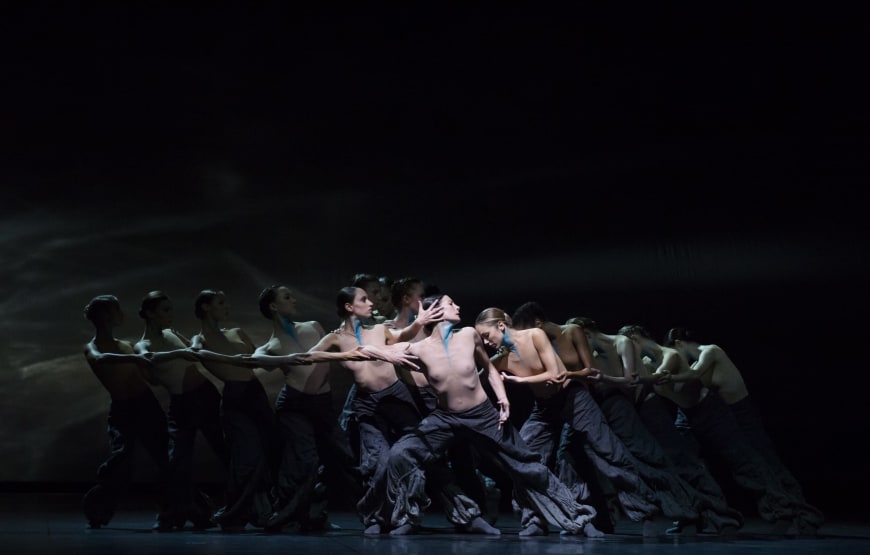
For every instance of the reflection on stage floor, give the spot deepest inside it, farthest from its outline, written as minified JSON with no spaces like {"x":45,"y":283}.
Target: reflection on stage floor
{"x":52,"y":523}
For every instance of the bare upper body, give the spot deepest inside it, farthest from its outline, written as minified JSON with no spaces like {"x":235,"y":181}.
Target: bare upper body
{"x":574,"y":351}
{"x":450,"y":367}
{"x":450,"y":361}
{"x":379,"y":341}
{"x":374,"y":374}
{"x":711,"y":365}
{"x":411,"y":329}
{"x":310,"y":378}
{"x":232,"y":342}
{"x":123,"y":373}
{"x":615,"y":356}
{"x":177,"y":375}
{"x":668,"y":362}
{"x":529,"y":358}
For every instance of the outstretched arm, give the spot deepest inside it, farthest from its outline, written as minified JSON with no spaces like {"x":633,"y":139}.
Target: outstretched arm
{"x":163,"y":356}
{"x":143,"y":361}
{"x":157,"y":357}
{"x":587,"y":374}
{"x":204,"y":355}
{"x":396,"y":353}
{"x":95,"y":355}
{"x":268,"y":361}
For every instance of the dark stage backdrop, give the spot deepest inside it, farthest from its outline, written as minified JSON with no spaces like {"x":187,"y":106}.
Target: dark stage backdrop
{"x":666,"y":168}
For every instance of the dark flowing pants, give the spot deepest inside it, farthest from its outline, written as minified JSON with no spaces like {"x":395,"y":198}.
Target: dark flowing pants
{"x":138,"y":420}
{"x":535,"y":486}
{"x":249,"y":427}
{"x":197,"y":410}
{"x":314,"y":451}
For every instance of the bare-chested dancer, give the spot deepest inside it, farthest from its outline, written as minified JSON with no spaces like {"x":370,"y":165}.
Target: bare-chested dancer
{"x":717,"y":432}
{"x":711,"y":365}
{"x":385,"y":409}
{"x":135,"y":413}
{"x":530,"y":358}
{"x":658,"y":411}
{"x":379,"y":293}
{"x":621,"y":361}
{"x":407,"y":296}
{"x":194,"y":406}
{"x":585,"y":428}
{"x":306,"y":421}
{"x":246,"y":415}
{"x":450,"y":360}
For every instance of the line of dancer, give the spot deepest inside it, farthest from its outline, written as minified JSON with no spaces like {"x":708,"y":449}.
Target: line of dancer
{"x":619,"y":428}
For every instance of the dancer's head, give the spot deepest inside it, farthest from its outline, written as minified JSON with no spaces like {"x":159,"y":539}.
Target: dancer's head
{"x":491,"y":324}
{"x":104,"y":309}
{"x":156,"y":310}
{"x":277,"y":299}
{"x":211,"y":303}
{"x":529,"y":315}
{"x":353,"y":302}
{"x":407,"y":291}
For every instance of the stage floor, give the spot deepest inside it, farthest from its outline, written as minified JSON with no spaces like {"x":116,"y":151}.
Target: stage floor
{"x":52,"y":523}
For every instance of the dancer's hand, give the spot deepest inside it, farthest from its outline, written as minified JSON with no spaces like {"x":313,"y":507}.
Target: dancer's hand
{"x":558,"y":380}
{"x":399,"y":357}
{"x":504,"y":412}
{"x":431,"y":315}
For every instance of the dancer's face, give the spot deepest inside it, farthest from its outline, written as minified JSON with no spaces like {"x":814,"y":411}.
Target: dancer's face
{"x":361,"y":307}
{"x":218,"y":309}
{"x":115,"y":315}
{"x":492,"y":333}
{"x":284,"y":303}
{"x":161,"y":315}
{"x":451,"y":309}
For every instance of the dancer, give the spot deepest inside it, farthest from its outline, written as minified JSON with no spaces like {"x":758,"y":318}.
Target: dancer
{"x":194,"y":406}
{"x":382,"y":308}
{"x":407,"y":296}
{"x":711,"y":365}
{"x":135,"y":414}
{"x":658,"y":412}
{"x":450,"y":360}
{"x":246,"y":417}
{"x":313,"y":443}
{"x":620,"y":361}
{"x":643,"y":491}
{"x":586,"y":446}
{"x":385,"y":410}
